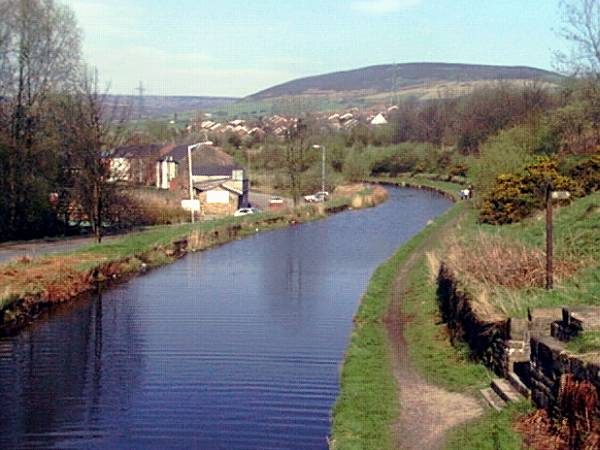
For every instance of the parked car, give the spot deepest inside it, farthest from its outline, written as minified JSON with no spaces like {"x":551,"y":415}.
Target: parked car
{"x":276,"y":200}
{"x":245,"y":212}
{"x":317,"y":198}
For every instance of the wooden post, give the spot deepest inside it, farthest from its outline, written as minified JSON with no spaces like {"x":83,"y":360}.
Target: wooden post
{"x":549,"y":238}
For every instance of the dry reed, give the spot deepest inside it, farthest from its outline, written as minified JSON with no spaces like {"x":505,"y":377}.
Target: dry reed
{"x":494,"y":261}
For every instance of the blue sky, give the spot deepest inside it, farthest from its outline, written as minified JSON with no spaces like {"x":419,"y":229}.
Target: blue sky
{"x":237,"y":47}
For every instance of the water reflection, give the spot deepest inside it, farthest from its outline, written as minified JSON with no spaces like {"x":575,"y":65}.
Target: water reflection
{"x":61,"y":378}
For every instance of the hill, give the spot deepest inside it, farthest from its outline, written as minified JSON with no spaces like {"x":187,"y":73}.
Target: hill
{"x":396,"y":77}
{"x":155,"y":106}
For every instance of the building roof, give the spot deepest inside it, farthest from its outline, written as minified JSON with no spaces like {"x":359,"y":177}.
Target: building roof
{"x":199,"y":169}
{"x":214,"y":184}
{"x":206,"y":160}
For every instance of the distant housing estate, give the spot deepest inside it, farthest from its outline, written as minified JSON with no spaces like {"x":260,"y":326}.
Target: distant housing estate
{"x":278,"y":125}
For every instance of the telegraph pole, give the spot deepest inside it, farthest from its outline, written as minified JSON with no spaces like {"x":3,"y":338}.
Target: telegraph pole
{"x":323,"y":169}
{"x":140,"y":90}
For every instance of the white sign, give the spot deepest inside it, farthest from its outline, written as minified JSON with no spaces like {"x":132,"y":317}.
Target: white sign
{"x":190,"y":205}
{"x":217,"y":197}
{"x":561,"y":195}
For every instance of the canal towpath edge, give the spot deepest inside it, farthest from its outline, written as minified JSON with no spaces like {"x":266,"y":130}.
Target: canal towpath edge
{"x":427,"y":412}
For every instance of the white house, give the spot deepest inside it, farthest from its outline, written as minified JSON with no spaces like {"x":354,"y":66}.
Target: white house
{"x":379,"y":119}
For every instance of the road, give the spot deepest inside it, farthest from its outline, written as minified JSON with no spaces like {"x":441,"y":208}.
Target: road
{"x":12,"y":251}
{"x":261,"y":201}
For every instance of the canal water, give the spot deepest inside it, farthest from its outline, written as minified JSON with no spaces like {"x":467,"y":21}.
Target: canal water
{"x":238,"y":347}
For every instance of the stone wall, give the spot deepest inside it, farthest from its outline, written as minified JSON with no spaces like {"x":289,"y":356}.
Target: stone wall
{"x":532,"y":348}
{"x":550,"y":364}
{"x":488,"y":336}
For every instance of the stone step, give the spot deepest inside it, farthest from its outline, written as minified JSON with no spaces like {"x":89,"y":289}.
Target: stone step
{"x":505,"y":390}
{"x":516,"y":383}
{"x":492,"y":399}
{"x":516,"y":344}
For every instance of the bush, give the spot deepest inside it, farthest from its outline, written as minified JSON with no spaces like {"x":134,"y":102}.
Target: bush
{"x":507,"y":152}
{"x":587,"y":174}
{"x":514,"y":196}
{"x":356,"y":166}
{"x":403,"y":158}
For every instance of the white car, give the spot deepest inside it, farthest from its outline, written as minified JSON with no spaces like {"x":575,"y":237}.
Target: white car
{"x":245,"y":212}
{"x":316,"y":198}
{"x":276,"y":200}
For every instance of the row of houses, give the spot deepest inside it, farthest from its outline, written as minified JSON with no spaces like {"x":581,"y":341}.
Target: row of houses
{"x":278,"y":125}
{"x":217,"y":181}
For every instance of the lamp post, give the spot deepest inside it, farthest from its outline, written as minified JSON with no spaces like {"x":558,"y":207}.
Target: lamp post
{"x":322,"y":147}
{"x":189,"y":151}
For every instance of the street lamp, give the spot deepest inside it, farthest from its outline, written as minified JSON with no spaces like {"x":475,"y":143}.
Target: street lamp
{"x":322,"y":147}
{"x":189,"y":151}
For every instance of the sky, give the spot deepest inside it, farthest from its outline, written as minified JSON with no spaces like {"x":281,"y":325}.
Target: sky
{"x":238,"y":47}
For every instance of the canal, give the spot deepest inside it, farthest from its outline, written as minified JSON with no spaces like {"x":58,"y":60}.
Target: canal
{"x":238,"y":347}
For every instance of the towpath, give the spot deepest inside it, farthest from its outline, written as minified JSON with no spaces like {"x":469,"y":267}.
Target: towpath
{"x":12,"y":250}
{"x":428,"y":412}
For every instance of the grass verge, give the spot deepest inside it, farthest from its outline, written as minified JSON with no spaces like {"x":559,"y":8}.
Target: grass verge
{"x":445,"y":187}
{"x":588,"y":341}
{"x":576,"y":244}
{"x":494,"y":431}
{"x":429,"y":346}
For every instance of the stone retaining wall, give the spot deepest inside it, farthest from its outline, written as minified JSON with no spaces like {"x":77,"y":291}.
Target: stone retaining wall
{"x":532,"y":348}
{"x":488,"y":337}
{"x":550,"y":363}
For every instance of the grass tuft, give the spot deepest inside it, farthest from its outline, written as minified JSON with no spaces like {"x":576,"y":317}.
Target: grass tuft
{"x":495,"y":431}
{"x":586,"y":342}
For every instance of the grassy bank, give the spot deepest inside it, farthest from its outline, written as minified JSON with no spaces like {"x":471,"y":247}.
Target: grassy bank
{"x":366,"y":406}
{"x":508,"y":262}
{"x":367,"y":403}
{"x":495,"y":430}
{"x":30,"y":285}
{"x":429,"y":348}
{"x":446,"y":188}
{"x":450,"y":366}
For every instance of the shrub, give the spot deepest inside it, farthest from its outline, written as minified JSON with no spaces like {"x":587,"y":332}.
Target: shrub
{"x":507,"y":202}
{"x":587,"y":174}
{"x":514,"y":196}
{"x":508,"y":152}
{"x":356,"y":166}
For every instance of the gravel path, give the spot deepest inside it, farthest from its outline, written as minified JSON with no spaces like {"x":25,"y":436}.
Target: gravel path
{"x":428,"y":412}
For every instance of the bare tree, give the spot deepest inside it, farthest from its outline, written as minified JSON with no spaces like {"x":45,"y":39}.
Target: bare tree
{"x":92,"y":133}
{"x":295,"y":157}
{"x":40,"y":51}
{"x":39,"y":55}
{"x":581,"y":28}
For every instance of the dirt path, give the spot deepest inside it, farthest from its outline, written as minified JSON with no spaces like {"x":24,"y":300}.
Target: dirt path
{"x":427,"y":412}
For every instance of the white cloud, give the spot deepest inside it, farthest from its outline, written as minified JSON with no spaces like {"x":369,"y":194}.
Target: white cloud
{"x":382,"y":6}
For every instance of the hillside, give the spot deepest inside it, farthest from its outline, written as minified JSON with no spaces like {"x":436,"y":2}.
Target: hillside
{"x":374,"y":80}
{"x":155,"y":106}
